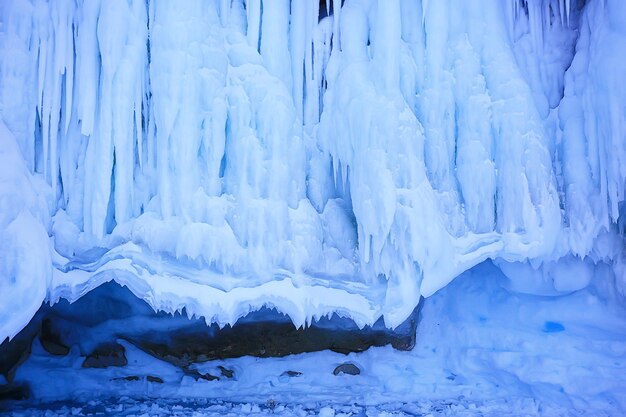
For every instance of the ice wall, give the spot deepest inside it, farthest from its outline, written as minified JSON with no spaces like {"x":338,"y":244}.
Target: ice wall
{"x":25,"y":250}
{"x":228,"y":155}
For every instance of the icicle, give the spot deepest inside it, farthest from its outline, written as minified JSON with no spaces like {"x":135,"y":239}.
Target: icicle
{"x":138,"y":128}
{"x":54,"y":135}
{"x":535,"y":21}
{"x":310,"y":99}
{"x":512,"y":19}
{"x":567,"y":10}
{"x":69,"y":78}
{"x":47,"y":102}
{"x":61,"y":75}
{"x":336,"y":20}
{"x":151,"y":157}
{"x":254,"y":22}
{"x":386,"y":43}
{"x":87,"y":66}
{"x":298,"y":37}
{"x":337,"y":173}
{"x":345,"y":169}
{"x":224,"y":11}
{"x":275,"y":40}
{"x":41,"y":83}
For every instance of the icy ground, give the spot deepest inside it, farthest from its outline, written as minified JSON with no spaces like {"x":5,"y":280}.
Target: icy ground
{"x":193,"y":407}
{"x":493,"y":353}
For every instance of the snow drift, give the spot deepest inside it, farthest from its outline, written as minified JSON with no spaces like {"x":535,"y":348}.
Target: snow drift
{"x":229,"y":155}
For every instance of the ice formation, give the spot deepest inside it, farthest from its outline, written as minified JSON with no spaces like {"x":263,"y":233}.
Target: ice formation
{"x":227,"y":155}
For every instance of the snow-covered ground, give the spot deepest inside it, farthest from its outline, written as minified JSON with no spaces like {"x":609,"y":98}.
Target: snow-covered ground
{"x":201,"y":408}
{"x":481,"y":351}
{"x":226,"y":155}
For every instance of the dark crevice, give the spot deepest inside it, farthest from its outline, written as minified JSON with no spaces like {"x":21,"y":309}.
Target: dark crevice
{"x":110,"y":222}
{"x":38,"y":163}
{"x":323,"y":8}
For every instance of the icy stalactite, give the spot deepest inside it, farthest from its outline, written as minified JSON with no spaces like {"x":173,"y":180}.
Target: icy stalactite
{"x":377,"y":152}
{"x":299,"y":40}
{"x":56,"y":66}
{"x":322,"y":38}
{"x":543,"y":14}
{"x":87,"y":65}
{"x":275,"y":39}
{"x":253,"y":9}
{"x":386,"y":44}
{"x":593,"y":123}
{"x":311,"y":89}
{"x":120,"y":91}
{"x":336,"y":24}
{"x":543,"y":36}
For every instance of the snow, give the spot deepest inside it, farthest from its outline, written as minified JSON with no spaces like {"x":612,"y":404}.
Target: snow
{"x":225,"y":156}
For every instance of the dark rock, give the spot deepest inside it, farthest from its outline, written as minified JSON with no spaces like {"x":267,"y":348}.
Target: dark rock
{"x":347,"y":368}
{"x":149,"y":378}
{"x":15,"y":352}
{"x":55,"y":349}
{"x":156,"y":379}
{"x":265,"y":333}
{"x":51,"y":340}
{"x":127,"y":378}
{"x":14,"y":392}
{"x":183,"y":341}
{"x":195,"y":374}
{"x":273,"y":338}
{"x":291,"y":374}
{"x":227,"y":373}
{"x":105,"y":355}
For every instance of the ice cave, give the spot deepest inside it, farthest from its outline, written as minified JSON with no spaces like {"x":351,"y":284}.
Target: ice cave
{"x":313,"y":208}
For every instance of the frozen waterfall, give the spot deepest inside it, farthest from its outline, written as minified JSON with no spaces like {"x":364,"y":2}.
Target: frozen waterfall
{"x":229,"y":155}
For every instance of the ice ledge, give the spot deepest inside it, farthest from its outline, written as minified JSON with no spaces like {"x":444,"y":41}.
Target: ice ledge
{"x":170,"y":293}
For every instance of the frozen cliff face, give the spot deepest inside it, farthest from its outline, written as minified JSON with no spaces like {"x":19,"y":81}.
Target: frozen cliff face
{"x":225,"y":156}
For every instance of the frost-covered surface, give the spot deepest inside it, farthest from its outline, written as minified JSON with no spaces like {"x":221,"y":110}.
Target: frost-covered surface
{"x":204,"y":408}
{"x":225,"y":155}
{"x":481,"y":351}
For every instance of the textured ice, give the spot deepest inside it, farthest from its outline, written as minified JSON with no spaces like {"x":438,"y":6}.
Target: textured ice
{"x":228,"y":155}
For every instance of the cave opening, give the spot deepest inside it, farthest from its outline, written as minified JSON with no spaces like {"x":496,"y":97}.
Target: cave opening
{"x":95,"y":328}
